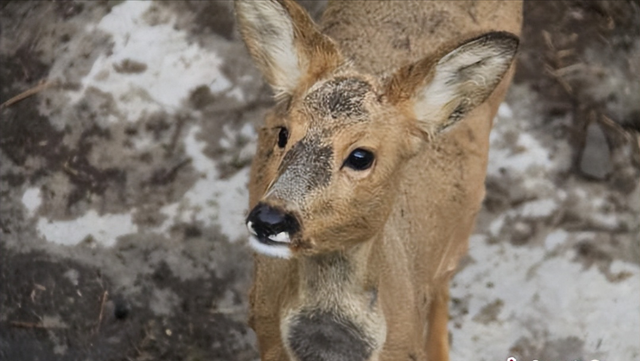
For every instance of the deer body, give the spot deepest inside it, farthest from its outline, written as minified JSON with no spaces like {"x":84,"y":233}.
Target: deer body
{"x":370,"y":170}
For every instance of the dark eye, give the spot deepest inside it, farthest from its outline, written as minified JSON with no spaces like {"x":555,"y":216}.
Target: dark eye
{"x":359,"y":159}
{"x":283,"y":136}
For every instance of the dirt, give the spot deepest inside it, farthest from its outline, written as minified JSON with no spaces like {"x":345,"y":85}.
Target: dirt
{"x":165,"y":273}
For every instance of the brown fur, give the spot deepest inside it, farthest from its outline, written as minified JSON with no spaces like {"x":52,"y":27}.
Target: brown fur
{"x":377,"y":247}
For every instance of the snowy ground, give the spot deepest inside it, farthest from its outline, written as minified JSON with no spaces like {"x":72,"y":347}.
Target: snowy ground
{"x":123,"y":189}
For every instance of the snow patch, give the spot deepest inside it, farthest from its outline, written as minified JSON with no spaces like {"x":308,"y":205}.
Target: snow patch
{"x":497,"y":224}
{"x":534,"y":289}
{"x":31,"y":199}
{"x":104,"y":229}
{"x":530,"y":154}
{"x":212,"y":201}
{"x":539,"y":208}
{"x":504,"y":111}
{"x":555,"y":239}
{"x":167,"y":65}
{"x":607,"y":221}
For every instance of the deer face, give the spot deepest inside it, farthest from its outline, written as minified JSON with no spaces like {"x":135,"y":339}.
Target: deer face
{"x":336,"y":152}
{"x":331,"y":155}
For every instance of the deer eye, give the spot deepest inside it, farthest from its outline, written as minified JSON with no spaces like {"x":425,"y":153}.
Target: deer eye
{"x":359,"y":159}
{"x":283,"y":136}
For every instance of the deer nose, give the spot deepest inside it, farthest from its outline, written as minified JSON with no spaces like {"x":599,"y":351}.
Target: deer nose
{"x":271,"y":225}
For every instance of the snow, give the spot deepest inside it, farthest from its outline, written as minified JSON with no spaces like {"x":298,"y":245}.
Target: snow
{"x":539,"y":208}
{"x":555,"y":239}
{"x":104,"y":229}
{"x":212,"y":201}
{"x":567,"y":299}
{"x":171,"y":67}
{"x":174,"y":66}
{"x":545,"y":294}
{"x":31,"y":199}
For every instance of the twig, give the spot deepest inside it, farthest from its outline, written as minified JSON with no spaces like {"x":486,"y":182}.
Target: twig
{"x":23,"y":324}
{"x":169,"y":174}
{"x":547,"y":40}
{"x":104,"y":298}
{"x":559,"y":79}
{"x":617,"y":127}
{"x":226,"y":310}
{"x":564,"y":53}
{"x":573,"y":68}
{"x":27,"y":93}
{"x":176,"y":134}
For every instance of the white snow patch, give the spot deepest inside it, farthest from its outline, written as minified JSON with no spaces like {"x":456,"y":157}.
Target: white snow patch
{"x":174,"y":66}
{"x":539,"y":208}
{"x":195,"y":149}
{"x":504,"y":111}
{"x":31,"y":199}
{"x":534,"y":289}
{"x":555,"y":239}
{"x":233,"y":200}
{"x":585,"y":236}
{"x":496,"y":225}
{"x":237,"y":93}
{"x":143,"y":142}
{"x":73,"y":276}
{"x":530,"y":154}
{"x":618,"y":266}
{"x":232,"y":140}
{"x":607,"y":221}
{"x":104,"y":229}
{"x":211,"y":200}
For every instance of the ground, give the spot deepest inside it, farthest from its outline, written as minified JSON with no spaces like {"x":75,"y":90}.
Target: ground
{"x":124,"y":167}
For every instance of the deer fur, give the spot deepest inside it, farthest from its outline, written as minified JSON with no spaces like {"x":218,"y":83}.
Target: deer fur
{"x":358,"y":263}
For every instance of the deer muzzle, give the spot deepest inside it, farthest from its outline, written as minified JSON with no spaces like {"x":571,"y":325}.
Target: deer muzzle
{"x":271,"y":230}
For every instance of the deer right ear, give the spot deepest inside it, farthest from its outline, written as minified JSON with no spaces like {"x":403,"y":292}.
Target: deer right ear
{"x":285,"y":43}
{"x":442,"y":90}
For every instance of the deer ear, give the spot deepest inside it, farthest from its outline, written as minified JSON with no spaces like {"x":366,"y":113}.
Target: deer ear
{"x":442,"y":90}
{"x":285,"y":43}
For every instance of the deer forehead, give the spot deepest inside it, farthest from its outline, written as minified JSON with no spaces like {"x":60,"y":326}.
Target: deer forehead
{"x":340,"y":98}
{"x":335,"y":113}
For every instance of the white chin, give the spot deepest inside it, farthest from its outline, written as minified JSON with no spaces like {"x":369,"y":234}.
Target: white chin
{"x":271,"y":251}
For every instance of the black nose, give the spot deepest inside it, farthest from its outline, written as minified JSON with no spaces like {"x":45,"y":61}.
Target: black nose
{"x":268,"y":222}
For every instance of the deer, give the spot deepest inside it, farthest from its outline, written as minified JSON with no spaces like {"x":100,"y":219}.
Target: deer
{"x":369,"y":170}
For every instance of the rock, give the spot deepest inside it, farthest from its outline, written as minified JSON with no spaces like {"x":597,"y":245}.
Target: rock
{"x":595,"y":161}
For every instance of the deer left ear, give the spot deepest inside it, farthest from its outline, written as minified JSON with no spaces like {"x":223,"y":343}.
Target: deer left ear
{"x":442,"y":90}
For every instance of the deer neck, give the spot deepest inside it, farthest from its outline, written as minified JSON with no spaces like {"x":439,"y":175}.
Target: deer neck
{"x":337,"y":300}
{"x":327,"y":280}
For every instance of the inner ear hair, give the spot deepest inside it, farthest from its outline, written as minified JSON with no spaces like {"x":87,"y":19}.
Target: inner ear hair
{"x":477,"y":66}
{"x":285,"y":44}
{"x":441,"y":89}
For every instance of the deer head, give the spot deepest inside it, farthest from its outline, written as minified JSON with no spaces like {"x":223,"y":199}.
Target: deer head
{"x":334,"y":148}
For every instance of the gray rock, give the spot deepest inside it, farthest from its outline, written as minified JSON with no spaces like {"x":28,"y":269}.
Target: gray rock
{"x":595,"y":161}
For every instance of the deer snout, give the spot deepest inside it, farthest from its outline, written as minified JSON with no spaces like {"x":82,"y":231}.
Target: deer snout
{"x":271,"y":230}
